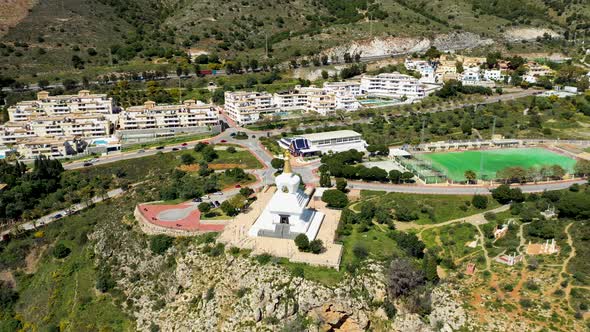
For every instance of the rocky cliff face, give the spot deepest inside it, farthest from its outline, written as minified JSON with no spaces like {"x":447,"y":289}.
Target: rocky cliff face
{"x":186,"y":289}
{"x":378,"y":47}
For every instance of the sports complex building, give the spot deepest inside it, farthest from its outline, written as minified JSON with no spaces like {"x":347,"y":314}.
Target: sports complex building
{"x":319,"y":143}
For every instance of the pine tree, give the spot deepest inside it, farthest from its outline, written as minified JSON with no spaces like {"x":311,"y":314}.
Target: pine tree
{"x":325,"y":180}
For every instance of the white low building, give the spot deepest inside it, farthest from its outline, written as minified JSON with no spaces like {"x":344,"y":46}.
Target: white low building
{"x":248,"y":107}
{"x":286,"y":214}
{"x":330,"y":141}
{"x":492,"y":74}
{"x":393,"y":85}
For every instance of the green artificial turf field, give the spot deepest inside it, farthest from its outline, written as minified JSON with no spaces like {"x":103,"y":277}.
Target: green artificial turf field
{"x":454,"y":164}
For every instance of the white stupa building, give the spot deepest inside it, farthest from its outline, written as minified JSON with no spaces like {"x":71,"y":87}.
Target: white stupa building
{"x":286,"y":214}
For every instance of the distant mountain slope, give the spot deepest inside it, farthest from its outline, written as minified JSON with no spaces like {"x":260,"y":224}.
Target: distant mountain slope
{"x":64,"y":34}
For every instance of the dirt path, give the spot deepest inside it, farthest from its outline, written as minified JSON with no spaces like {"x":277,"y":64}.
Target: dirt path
{"x":563,"y":271}
{"x":485,"y":250}
{"x":475,"y":219}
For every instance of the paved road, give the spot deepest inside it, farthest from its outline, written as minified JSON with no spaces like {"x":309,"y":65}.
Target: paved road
{"x":114,"y":157}
{"x":57,"y":215}
{"x":456,"y":190}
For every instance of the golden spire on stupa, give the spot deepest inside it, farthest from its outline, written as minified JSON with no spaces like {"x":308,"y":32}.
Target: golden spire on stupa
{"x":287,"y":166}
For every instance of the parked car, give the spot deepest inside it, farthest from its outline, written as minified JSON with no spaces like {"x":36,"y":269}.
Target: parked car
{"x":223,"y":141}
{"x":238,"y":186}
{"x":57,"y":216}
{"x":205,"y":197}
{"x":184,"y":144}
{"x":219,"y":193}
{"x":86,"y":164}
{"x":141,"y":151}
{"x":216,"y":204}
{"x":232,"y":134}
{"x":197,"y":200}
{"x":175,"y":149}
{"x":159,"y":147}
{"x":183,"y":148}
{"x":253,"y":136}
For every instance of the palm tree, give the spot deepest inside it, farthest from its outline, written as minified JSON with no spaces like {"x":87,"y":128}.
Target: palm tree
{"x":470,"y":175}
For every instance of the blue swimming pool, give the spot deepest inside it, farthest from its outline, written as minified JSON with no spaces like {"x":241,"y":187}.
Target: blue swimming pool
{"x":100,"y":142}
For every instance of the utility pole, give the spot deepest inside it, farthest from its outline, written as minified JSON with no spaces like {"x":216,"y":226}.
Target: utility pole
{"x":179,"y":92}
{"x":494,"y":127}
{"x":266,"y":43}
{"x":110,"y":57}
{"x":422,"y":132}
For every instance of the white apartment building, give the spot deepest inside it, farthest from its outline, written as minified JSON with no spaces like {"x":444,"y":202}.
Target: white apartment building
{"x":414,"y":64}
{"x":82,"y":103}
{"x":351,"y":87}
{"x":425,"y":68}
{"x":346,"y":101}
{"x":91,"y":125}
{"x":471,"y":76}
{"x":320,"y":100}
{"x":247,"y":107}
{"x":393,"y":85}
{"x":295,"y":100}
{"x":152,"y":116}
{"x":492,"y":74}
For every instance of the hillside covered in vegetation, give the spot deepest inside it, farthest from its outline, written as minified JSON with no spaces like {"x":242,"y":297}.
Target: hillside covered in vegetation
{"x":102,"y":35}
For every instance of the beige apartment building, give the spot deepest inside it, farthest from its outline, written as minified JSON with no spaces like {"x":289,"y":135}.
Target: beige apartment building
{"x":45,"y":105}
{"x":152,"y":116}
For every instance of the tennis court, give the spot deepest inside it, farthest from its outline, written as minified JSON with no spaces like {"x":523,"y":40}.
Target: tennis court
{"x":454,"y":164}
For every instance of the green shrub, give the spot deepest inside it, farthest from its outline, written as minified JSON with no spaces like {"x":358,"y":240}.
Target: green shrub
{"x":302,"y":242}
{"x":298,"y":271}
{"x":525,"y":303}
{"x":61,"y":251}
{"x":205,"y":207}
{"x":316,"y":246}
{"x":360,"y":251}
{"x":210,"y":294}
{"x":160,"y":243}
{"x":480,"y":201}
{"x":104,"y":281}
{"x":490,"y":216}
{"x":242,"y":291}
{"x":335,"y":198}
{"x":263,"y":258}
{"x":389,"y":309}
{"x":234,"y":250}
